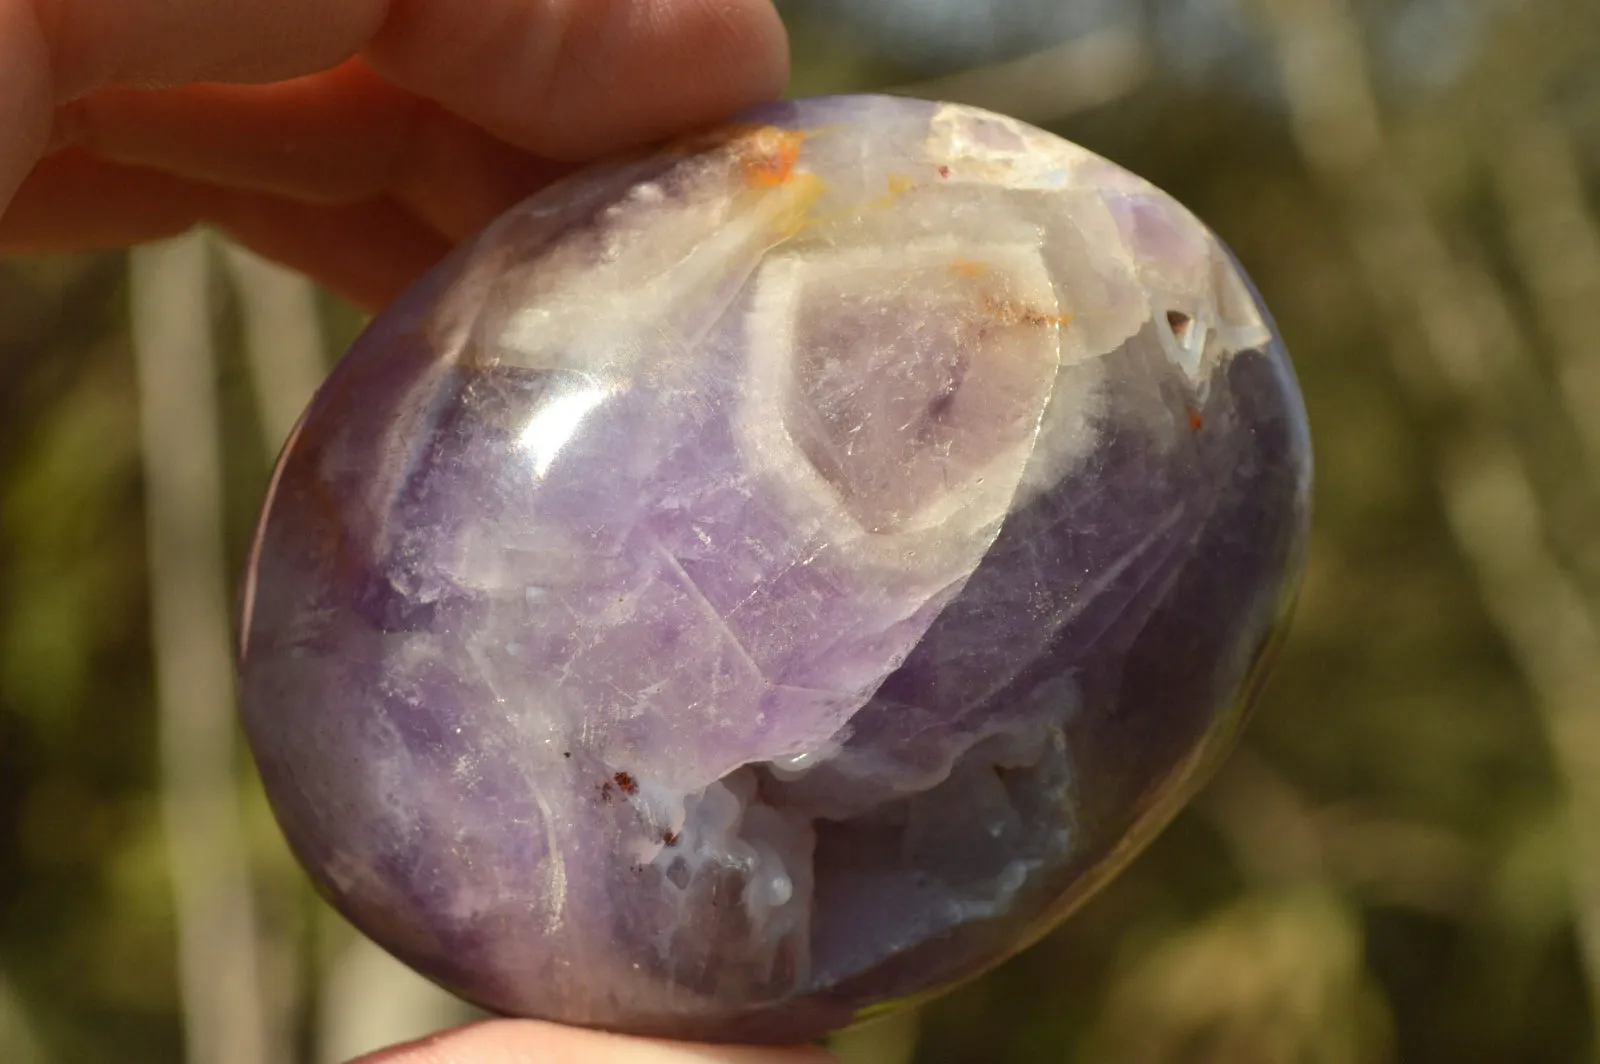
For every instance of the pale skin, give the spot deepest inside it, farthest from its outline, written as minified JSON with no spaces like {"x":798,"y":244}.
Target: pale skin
{"x":357,"y":140}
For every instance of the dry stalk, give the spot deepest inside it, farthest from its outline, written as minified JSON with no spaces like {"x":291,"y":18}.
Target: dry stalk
{"x":218,"y":952}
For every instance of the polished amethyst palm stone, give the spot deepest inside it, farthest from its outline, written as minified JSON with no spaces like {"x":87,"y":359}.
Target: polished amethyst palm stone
{"x":774,"y":576}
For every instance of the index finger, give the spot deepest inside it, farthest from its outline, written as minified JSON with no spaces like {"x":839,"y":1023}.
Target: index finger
{"x":563,"y":78}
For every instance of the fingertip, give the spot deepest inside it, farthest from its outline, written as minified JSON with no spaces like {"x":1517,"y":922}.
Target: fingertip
{"x":747,"y":37}
{"x":680,"y":63}
{"x":573,"y":79}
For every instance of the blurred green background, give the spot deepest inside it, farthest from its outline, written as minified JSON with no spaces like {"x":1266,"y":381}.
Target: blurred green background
{"x":1401,"y":863}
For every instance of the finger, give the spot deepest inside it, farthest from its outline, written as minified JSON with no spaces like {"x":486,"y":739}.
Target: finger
{"x":340,"y":136}
{"x":171,"y":42}
{"x":523,"y":1041}
{"x":563,"y":77}
{"x":576,"y":78}
{"x":367,"y":252}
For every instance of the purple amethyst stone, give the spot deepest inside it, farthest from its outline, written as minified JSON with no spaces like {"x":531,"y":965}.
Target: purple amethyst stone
{"x":774,"y":576}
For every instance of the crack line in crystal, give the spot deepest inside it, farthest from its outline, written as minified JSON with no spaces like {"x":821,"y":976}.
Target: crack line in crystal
{"x":700,"y":599}
{"x":780,"y":574}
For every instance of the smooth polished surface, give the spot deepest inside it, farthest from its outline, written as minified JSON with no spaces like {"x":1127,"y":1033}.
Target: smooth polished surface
{"x":775,"y":576}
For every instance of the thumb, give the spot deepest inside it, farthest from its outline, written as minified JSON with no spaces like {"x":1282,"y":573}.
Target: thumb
{"x":535,"y":1042}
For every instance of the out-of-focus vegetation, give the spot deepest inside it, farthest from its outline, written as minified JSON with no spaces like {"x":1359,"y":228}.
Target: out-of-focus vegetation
{"x":1402,"y":863}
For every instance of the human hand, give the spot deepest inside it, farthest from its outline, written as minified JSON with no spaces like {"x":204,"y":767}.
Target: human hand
{"x":355,"y":140}
{"x":531,"y":1042}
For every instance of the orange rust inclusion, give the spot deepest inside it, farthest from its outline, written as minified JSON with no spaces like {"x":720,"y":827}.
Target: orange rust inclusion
{"x":768,"y":155}
{"x":764,"y":155}
{"x":1010,"y":312}
{"x":997,"y":305}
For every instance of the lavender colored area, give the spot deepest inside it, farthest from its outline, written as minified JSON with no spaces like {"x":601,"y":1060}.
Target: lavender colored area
{"x":775,"y":576}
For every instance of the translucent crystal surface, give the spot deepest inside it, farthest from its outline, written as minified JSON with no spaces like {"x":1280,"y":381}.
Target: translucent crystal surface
{"x":774,"y":576}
